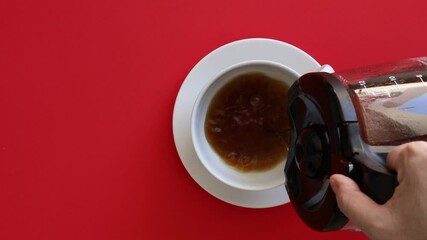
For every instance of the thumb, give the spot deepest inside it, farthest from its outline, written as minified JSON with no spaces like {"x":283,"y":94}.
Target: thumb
{"x":357,"y":206}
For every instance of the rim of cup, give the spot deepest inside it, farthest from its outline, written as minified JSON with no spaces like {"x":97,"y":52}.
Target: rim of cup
{"x":251,"y":180}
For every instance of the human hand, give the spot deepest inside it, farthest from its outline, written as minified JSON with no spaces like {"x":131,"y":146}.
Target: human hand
{"x":404,"y":215}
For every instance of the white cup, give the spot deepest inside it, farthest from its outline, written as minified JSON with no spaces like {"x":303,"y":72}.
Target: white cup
{"x":252,"y":180}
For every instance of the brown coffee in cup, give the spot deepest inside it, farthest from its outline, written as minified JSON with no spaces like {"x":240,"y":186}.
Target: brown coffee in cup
{"x":259,"y":169}
{"x":247,"y":122}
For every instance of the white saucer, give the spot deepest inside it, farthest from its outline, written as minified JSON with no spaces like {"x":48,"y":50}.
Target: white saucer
{"x":205,"y":70}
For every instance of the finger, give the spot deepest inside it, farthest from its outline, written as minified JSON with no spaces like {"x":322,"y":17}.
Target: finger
{"x":395,"y":156}
{"x":357,"y":206}
{"x":407,"y":158}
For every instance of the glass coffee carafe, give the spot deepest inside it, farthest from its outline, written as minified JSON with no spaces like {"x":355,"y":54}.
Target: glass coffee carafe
{"x":347,"y":122}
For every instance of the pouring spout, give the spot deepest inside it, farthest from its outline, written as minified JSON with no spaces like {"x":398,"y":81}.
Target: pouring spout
{"x":326,"y":68}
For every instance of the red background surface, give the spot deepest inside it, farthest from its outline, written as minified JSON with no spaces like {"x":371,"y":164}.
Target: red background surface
{"x":87,"y":89}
